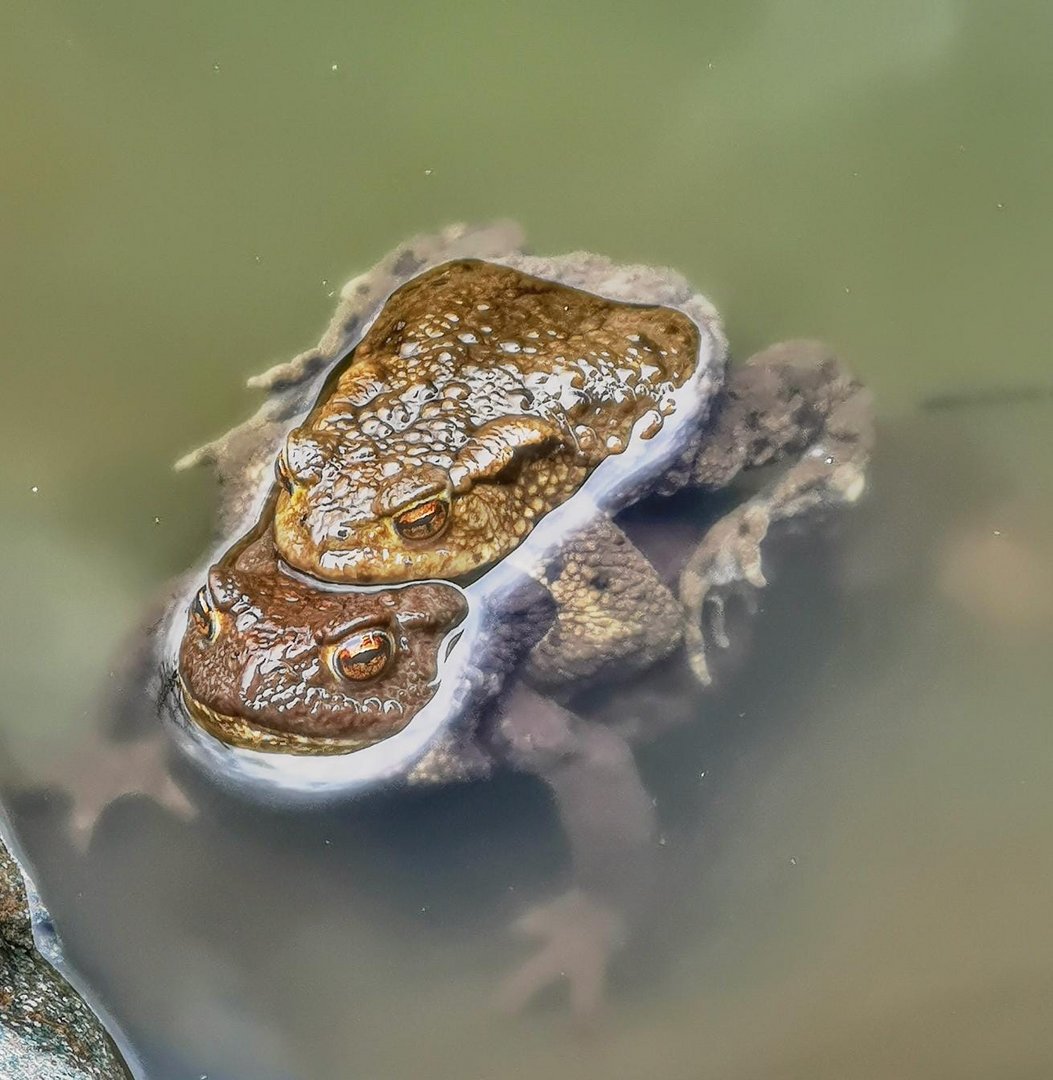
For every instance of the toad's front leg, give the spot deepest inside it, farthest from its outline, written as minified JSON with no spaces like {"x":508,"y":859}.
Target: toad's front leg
{"x":614,"y":615}
{"x":792,"y":402}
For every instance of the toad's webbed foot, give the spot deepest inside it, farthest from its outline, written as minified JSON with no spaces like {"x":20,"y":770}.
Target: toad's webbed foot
{"x":578,"y":935}
{"x":793,"y":401}
{"x":727,"y":563}
{"x":715,"y":607}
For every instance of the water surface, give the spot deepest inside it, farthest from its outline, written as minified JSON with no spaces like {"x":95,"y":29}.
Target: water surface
{"x":859,"y":884}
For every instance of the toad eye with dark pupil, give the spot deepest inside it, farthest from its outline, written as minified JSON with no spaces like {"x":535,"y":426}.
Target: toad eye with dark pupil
{"x":202,"y":614}
{"x":423,"y":521}
{"x":281,"y":473}
{"x":364,"y":656}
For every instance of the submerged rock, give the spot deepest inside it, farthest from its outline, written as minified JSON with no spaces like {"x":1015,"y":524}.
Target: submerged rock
{"x":47,"y":1031}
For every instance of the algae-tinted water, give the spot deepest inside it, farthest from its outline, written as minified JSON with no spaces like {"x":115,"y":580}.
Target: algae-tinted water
{"x":859,"y":885}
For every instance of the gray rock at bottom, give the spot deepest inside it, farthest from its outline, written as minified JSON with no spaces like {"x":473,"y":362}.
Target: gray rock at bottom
{"x":47,"y":1031}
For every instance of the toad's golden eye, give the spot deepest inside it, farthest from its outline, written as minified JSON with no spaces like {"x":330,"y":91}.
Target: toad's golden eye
{"x":423,"y":521}
{"x":281,"y":473}
{"x":202,"y":615}
{"x":364,"y":655}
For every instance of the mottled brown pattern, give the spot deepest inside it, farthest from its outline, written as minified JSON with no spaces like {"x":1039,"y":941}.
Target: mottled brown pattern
{"x":256,"y":658}
{"x":481,"y":387}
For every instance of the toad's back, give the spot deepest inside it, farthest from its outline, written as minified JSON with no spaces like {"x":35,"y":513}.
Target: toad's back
{"x":480,"y":399}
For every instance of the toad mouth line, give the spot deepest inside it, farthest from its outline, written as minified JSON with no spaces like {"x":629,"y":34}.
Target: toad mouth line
{"x":237,"y":732}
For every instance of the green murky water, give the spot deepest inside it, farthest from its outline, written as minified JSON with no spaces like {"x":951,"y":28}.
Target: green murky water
{"x":860,"y":885}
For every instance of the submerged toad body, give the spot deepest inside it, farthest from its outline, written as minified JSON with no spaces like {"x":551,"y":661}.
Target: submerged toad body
{"x":595,"y":610}
{"x":480,"y":399}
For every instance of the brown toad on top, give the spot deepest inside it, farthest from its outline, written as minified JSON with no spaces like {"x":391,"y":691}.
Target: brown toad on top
{"x":480,"y":399}
{"x":483,"y":398}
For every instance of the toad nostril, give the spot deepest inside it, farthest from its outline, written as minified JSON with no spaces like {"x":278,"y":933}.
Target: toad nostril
{"x":301,"y":459}
{"x":282,"y":474}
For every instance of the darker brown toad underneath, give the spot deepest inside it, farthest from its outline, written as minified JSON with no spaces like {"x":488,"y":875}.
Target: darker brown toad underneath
{"x":268,"y":662}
